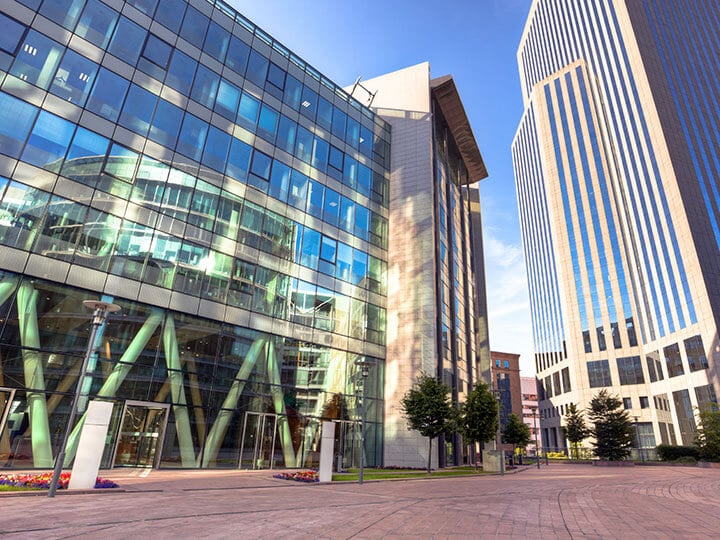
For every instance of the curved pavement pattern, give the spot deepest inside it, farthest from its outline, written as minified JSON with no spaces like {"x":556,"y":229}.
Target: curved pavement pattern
{"x":556,"y":501}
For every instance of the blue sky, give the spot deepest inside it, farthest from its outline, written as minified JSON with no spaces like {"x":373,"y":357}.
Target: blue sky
{"x":475,"y":42}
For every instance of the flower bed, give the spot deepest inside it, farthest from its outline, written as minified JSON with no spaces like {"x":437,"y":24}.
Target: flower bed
{"x":42,"y":481}
{"x":299,"y":476}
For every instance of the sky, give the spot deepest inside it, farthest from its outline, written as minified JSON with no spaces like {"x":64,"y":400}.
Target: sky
{"x":476,"y":42}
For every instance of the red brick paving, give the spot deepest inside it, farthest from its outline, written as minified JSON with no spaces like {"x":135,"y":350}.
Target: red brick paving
{"x":556,"y":501}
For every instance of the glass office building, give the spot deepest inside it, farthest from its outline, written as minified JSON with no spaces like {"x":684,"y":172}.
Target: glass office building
{"x":172,"y":158}
{"x":616,"y":166}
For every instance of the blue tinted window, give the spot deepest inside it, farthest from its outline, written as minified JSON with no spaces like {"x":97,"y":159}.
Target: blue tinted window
{"x":320,"y":154}
{"x":366,"y":138}
{"x":360,"y":266}
{"x":248,"y":111}
{"x":293,"y":92}
{"x":85,"y":157}
{"x":353,"y":133}
{"x":304,"y":145}
{"x":108,"y":94}
{"x":16,"y":119}
{"x":364,"y":180}
{"x":362,"y":222}
{"x":97,"y":23}
{"x":205,"y":86}
{"x":325,"y":113}
{"x":228,"y":96}
{"x":181,"y":72}
{"x":138,"y":110}
{"x":316,"y":193}
{"x":310,"y":248}
{"x":350,"y":172}
{"x":275,"y":81}
{"x":128,"y":41}
{"x":37,"y":61}
{"x":336,"y":163}
{"x":344,"y":261}
{"x":217,"y":41}
{"x":145,"y":6}
{"x":239,"y":160}
{"x":279,"y":181}
{"x":192,"y":137}
{"x":309,"y":103}
{"x":328,"y":251}
{"x":63,"y":12}
{"x":166,"y":124}
{"x":48,"y":141}
{"x":74,"y":78}
{"x":267,"y":126}
{"x":170,"y":13}
{"x":216,"y":149}
{"x":338,"y":123}
{"x":194,"y":27}
{"x":237,"y":55}
{"x":331,"y":207}
{"x":286,"y":134}
{"x":157,"y":51}
{"x":298,"y":190}
{"x":12,"y":33}
{"x":260,"y":170}
{"x":347,"y":215}
{"x":257,"y":68}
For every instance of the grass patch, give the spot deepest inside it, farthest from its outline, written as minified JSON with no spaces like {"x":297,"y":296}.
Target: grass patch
{"x":17,"y":488}
{"x":388,"y":474}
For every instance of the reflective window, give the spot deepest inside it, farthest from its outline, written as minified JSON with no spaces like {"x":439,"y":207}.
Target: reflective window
{"x":22,"y":209}
{"x":217,"y":41}
{"x":10,"y":39}
{"x":155,"y":57}
{"x":331,"y":207}
{"x":138,"y":110}
{"x":310,"y":248}
{"x":304,"y":145}
{"x":97,"y":23}
{"x":203,"y":205}
{"x":276,"y":81}
{"x":695,"y":353}
{"x":74,"y":78}
{"x":192,"y":137}
{"x":260,"y":170}
{"x":37,"y":60}
{"x":85,"y":157}
{"x":248,"y":111}
{"x":335,"y":162}
{"x":298,"y":190}
{"x":328,"y":250}
{"x":181,"y":72}
{"x":366,"y":138}
{"x":48,"y":141}
{"x":108,"y":94}
{"x":673,"y":361}
{"x":350,"y":172}
{"x":268,"y":123}
{"x":343,"y":269}
{"x":257,"y":68}
{"x":238,"y":163}
{"x":194,"y":27}
{"x":599,"y":373}
{"x":347,"y":215}
{"x":286,"y":134}
{"x":216,"y":149}
{"x":119,"y":171}
{"x":325,"y":113}
{"x":630,"y":370}
{"x":364,"y":180}
{"x":145,"y":6}
{"x":227,"y":216}
{"x":205,"y":87}
{"x":293,"y":92}
{"x":316,"y":192}
{"x":353,"y":132}
{"x":279,"y":181}
{"x":228,"y":97}
{"x":360,"y":267}
{"x":362,"y":222}
{"x":62,"y":12}
{"x":150,"y":182}
{"x":170,"y":13}
{"x":166,"y":124}
{"x":128,"y":41}
{"x":237,"y":55}
{"x":309,"y":103}
{"x":16,"y":119}
{"x":339,"y":122}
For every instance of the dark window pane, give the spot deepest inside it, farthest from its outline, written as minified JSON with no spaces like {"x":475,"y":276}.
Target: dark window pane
{"x":74,"y":78}
{"x":108,"y":94}
{"x":217,"y":41}
{"x":276,"y":77}
{"x":62,"y":12}
{"x":194,"y":27}
{"x":364,"y":180}
{"x":309,"y":103}
{"x":192,"y":137}
{"x":362,"y":222}
{"x":338,"y":123}
{"x":157,"y":51}
{"x":170,"y":13}
{"x":166,"y":124}
{"x":181,"y":72}
{"x":257,"y":68}
{"x":325,"y":113}
{"x":12,"y":33}
{"x":205,"y":86}
{"x":260,"y":170}
{"x":331,"y":207}
{"x":293,"y":92}
{"x":366,"y":138}
{"x":97,"y":23}
{"x":237,"y":55}
{"x":48,"y":141}
{"x":16,"y":119}
{"x":37,"y":61}
{"x":138,"y":110}
{"x":128,"y":40}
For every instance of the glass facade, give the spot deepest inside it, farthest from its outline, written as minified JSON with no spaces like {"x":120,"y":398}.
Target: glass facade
{"x":174,"y":159}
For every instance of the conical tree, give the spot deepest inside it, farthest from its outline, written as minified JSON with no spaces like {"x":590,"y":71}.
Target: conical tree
{"x":611,"y":427}
{"x":516,"y":432}
{"x":575,"y":429}
{"x":427,"y":408}
{"x":478,"y":422}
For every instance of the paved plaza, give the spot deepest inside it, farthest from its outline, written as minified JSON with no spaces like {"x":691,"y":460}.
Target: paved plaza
{"x":556,"y":501}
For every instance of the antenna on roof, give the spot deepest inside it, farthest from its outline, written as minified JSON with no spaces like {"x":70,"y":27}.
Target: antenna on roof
{"x":370,"y":95}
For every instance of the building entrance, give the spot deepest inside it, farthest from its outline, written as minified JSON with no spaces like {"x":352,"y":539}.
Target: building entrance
{"x":347,"y":445}
{"x":142,"y":428}
{"x":6,"y":400}
{"x":260,"y":447}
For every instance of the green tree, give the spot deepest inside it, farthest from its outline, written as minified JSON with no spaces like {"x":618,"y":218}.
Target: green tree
{"x":427,"y":408}
{"x":516,"y":432}
{"x":478,"y":418}
{"x":575,"y":429}
{"x":611,"y":427}
{"x":707,"y":438}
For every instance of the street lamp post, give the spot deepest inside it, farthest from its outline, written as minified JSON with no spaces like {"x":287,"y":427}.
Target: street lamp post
{"x":637,"y":438}
{"x":364,"y":365}
{"x":100,"y":312}
{"x":537,"y":451}
{"x":499,"y":433}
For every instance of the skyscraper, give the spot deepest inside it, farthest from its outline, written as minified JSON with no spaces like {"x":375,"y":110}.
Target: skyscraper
{"x":172,"y":158}
{"x":616,"y":165}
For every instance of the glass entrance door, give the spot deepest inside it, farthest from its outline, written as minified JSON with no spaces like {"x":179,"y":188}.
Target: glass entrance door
{"x":347,"y":442}
{"x":6,"y":399}
{"x":141,"y":434}
{"x":258,"y":441}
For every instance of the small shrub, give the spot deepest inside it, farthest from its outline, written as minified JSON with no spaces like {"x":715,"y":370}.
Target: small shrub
{"x":669,"y":452}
